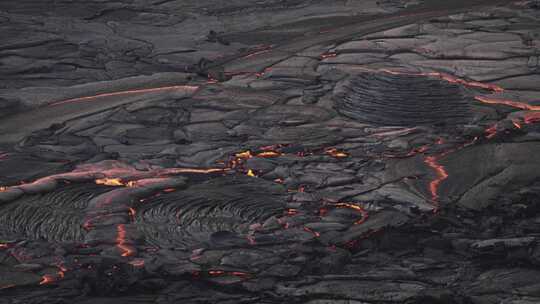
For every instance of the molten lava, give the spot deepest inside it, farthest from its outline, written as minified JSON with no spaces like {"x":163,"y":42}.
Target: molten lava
{"x":336,"y":153}
{"x":268,"y":154}
{"x":128,"y":92}
{"x":244,"y":155}
{"x":440,"y":171}
{"x":356,"y":208}
{"x":511,"y":103}
{"x":328,"y":55}
{"x":110,"y":182}
{"x":121,"y":241}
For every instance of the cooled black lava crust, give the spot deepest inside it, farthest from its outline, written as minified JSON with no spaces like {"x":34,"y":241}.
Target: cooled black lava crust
{"x":403,"y":100}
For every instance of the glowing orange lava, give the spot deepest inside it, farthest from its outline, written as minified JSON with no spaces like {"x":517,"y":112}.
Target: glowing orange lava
{"x":511,"y":103}
{"x":336,"y":153}
{"x":121,"y":241}
{"x":110,"y":182}
{"x":357,"y":208}
{"x":244,"y":155}
{"x":251,"y":173}
{"x":441,"y":173}
{"x":328,"y":55}
{"x":268,"y":154}
{"x":128,"y":92}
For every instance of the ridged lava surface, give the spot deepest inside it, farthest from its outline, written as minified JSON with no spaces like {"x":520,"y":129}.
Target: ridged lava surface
{"x":54,"y":216}
{"x":199,"y":213}
{"x":402,"y":100}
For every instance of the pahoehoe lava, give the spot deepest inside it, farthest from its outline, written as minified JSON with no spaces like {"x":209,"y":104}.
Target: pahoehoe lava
{"x":281,"y":151}
{"x":187,"y":218}
{"x":56,"y":216}
{"x":403,"y":100}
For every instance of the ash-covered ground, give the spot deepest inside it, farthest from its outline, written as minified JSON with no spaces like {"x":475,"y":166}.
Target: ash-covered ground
{"x":283,"y":151}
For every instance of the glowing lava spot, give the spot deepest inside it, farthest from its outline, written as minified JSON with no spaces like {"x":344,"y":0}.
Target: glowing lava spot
{"x":336,"y":153}
{"x":109,"y":182}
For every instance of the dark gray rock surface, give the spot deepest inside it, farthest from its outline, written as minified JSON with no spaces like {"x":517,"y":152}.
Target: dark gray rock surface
{"x":269,"y":152}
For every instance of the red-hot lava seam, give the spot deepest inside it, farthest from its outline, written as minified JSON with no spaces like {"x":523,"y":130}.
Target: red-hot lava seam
{"x":128,"y":92}
{"x":511,"y":103}
{"x":440,"y":171}
{"x":48,"y":278}
{"x":121,"y":241}
{"x":238,"y":160}
{"x":356,"y":208}
{"x":443,"y":76}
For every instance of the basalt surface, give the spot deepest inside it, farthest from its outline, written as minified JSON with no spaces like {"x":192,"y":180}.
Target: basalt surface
{"x":205,"y":152}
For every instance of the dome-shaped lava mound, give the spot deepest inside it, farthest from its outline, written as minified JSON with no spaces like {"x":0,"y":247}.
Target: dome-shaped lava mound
{"x":402,"y":100}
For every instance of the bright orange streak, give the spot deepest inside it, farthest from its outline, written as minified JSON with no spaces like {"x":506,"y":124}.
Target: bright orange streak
{"x":128,"y":92}
{"x":2,"y":189}
{"x":451,"y":79}
{"x":186,"y":170}
{"x":511,"y":103}
{"x":439,"y":169}
{"x":328,"y":55}
{"x":268,"y":154}
{"x":109,"y":182}
{"x":244,"y":155}
{"x":336,"y":153}
{"x":357,"y":208}
{"x":47,"y":279}
{"x":121,"y":241}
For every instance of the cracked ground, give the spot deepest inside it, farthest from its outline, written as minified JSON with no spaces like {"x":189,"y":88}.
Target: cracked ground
{"x":292,"y":151}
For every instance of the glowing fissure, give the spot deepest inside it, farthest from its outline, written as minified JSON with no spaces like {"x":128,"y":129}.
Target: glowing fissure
{"x":121,"y":241}
{"x":127,"y":92}
{"x":364,"y":214}
{"x":511,"y":103}
{"x":440,"y":171}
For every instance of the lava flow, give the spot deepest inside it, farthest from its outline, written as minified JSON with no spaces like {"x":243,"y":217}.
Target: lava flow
{"x":127,"y":92}
{"x":440,"y":171}
{"x":511,"y":103}
{"x":121,"y":241}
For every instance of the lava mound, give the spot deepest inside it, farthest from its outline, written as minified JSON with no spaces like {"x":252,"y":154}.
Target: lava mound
{"x":402,"y":100}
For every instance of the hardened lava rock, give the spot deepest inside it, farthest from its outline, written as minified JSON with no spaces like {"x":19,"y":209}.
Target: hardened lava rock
{"x":402,"y":100}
